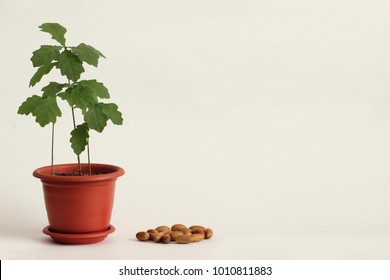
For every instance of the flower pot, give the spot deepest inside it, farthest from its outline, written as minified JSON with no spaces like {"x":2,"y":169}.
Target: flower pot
{"x":79,"y":207}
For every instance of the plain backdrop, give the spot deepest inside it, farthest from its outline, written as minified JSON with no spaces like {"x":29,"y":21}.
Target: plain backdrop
{"x":268,"y":121}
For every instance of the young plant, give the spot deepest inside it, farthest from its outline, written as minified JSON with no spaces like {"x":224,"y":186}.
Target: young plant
{"x":83,"y":95}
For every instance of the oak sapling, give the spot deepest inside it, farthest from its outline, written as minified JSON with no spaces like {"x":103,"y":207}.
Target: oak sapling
{"x":82,"y":96}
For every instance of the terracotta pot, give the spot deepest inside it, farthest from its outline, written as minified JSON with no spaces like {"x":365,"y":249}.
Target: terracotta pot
{"x":79,"y":204}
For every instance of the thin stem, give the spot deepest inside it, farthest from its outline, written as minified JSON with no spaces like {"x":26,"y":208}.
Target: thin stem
{"x":78,"y":156}
{"x":89,"y":160}
{"x":52,"y":150}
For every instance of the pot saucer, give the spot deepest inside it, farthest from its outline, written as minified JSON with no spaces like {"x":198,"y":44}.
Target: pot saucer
{"x":79,"y":238}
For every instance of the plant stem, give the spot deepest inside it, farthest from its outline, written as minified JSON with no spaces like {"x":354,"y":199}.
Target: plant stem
{"x":52,"y":150}
{"x":78,"y":156}
{"x":89,"y":160}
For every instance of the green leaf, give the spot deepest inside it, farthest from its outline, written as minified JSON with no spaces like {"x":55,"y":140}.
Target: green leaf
{"x":45,"y":55}
{"x":79,"y":138}
{"x":45,"y":110}
{"x":96,"y":118}
{"x":29,"y":105}
{"x":88,"y":54}
{"x":79,"y":96}
{"x":85,"y":93}
{"x":98,"y":88}
{"x":70,"y":65}
{"x":43,"y":70}
{"x":52,"y":89}
{"x":112,"y":112}
{"x":56,"y":30}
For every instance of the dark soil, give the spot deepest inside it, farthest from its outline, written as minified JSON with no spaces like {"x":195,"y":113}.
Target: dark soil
{"x":77,"y":174}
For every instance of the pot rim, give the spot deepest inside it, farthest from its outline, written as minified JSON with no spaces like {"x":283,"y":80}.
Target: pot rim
{"x":108,"y":171}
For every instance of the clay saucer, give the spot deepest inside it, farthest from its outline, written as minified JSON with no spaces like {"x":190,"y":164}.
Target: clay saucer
{"x":79,"y":238}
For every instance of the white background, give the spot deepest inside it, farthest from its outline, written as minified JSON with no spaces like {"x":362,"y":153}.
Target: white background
{"x":267,"y":121}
